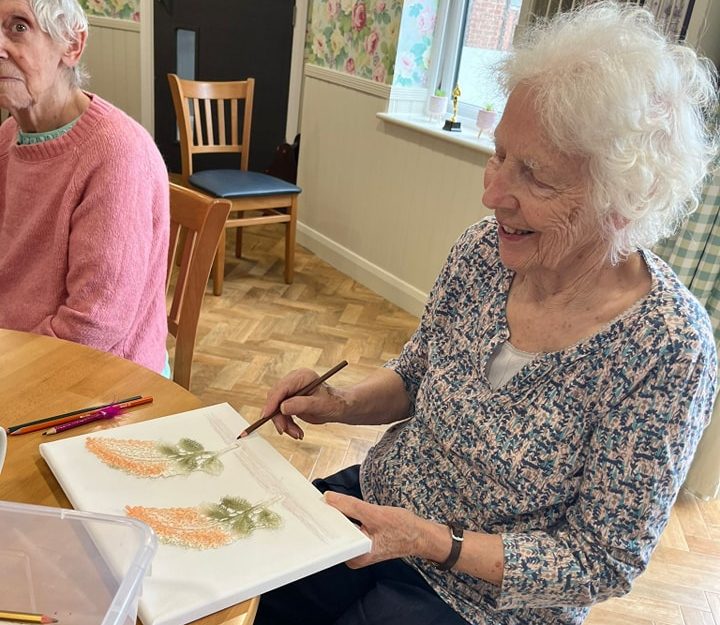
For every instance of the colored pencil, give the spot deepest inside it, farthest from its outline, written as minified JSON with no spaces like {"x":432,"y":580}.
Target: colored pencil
{"x":71,"y":414}
{"x":41,"y":426}
{"x":106,"y":413}
{"x":305,"y":390}
{"x":26,"y":617}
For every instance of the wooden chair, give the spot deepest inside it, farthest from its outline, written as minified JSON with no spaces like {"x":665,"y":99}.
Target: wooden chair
{"x":208,"y":116}
{"x":196,"y":223}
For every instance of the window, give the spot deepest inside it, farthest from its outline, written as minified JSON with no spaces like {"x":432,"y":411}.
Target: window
{"x":478,"y":33}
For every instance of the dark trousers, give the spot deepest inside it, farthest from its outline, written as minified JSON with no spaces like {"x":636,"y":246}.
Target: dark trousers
{"x":387,"y":593}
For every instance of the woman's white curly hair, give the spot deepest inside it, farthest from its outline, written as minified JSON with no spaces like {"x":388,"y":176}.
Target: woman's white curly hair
{"x":611,"y":88}
{"x":63,"y":20}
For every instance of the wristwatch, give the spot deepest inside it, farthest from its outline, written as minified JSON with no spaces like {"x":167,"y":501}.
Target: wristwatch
{"x":456,"y":533}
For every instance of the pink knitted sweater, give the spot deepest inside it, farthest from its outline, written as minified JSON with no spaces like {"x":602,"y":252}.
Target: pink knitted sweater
{"x":84,"y":234}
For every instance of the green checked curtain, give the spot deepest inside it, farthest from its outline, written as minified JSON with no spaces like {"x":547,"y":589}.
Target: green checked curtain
{"x":695,"y":256}
{"x":695,"y":253}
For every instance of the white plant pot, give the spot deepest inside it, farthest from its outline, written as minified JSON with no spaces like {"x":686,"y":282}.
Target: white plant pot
{"x":437,"y":105}
{"x":486,"y":121}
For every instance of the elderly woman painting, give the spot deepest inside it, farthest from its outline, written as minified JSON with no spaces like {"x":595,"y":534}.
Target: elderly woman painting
{"x":83,"y":196}
{"x":548,"y":406}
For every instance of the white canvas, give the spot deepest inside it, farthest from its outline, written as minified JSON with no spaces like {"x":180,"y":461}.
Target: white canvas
{"x":186,"y":584}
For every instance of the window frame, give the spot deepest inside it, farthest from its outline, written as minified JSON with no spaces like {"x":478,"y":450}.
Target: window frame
{"x":446,"y":56}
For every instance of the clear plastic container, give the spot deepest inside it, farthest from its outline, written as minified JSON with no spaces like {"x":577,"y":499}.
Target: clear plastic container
{"x":80,"y":568}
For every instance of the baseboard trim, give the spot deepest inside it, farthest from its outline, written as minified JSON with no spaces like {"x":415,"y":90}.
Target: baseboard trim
{"x":358,"y":268}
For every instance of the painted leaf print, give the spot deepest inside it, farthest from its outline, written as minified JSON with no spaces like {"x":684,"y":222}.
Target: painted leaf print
{"x":150,"y":459}
{"x":208,"y":526}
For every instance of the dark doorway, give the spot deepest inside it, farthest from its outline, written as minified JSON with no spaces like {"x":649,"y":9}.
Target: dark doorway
{"x":225,"y":40}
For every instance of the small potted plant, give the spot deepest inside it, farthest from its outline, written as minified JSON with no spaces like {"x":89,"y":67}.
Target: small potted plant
{"x":486,"y":119}
{"x":437,"y":104}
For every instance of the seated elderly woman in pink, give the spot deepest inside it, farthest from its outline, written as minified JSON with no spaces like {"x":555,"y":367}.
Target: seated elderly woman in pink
{"x":83,"y":196}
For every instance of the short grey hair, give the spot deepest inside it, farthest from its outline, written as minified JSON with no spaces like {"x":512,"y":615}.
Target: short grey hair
{"x":609,"y":87}
{"x":63,"y":20}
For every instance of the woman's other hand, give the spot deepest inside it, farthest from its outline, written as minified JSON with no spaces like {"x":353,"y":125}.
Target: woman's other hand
{"x":398,"y":533}
{"x":395,"y":532}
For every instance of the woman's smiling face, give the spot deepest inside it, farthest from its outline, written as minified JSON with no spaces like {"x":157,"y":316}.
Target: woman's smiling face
{"x":539,"y":196}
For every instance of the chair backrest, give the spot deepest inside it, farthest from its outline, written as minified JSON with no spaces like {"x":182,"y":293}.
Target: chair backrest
{"x":209,"y":115}
{"x":196,"y":222}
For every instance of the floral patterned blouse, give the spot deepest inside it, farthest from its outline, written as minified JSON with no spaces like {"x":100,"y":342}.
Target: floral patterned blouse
{"x":575,"y":461}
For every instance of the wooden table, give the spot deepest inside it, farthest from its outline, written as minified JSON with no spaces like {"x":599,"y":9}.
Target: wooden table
{"x":42,"y":376}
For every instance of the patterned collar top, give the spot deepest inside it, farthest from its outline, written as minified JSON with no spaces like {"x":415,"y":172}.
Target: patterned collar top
{"x":575,"y":461}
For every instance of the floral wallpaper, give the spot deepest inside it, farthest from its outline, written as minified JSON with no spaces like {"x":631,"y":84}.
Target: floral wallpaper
{"x":357,"y":37}
{"x":119,"y":9}
{"x":416,"y":33}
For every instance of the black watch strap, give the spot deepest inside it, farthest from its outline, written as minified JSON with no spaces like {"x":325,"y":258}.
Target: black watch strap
{"x":456,"y":533}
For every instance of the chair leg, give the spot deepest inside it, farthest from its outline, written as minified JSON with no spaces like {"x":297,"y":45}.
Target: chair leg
{"x":219,"y":266}
{"x":238,"y":242}
{"x":290,"y":243}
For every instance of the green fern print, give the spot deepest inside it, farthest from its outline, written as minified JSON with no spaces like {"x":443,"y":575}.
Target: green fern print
{"x":151,"y":459}
{"x":209,"y":526}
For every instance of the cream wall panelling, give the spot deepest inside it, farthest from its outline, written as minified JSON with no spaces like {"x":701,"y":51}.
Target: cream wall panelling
{"x":112,"y":57}
{"x":380,"y":202}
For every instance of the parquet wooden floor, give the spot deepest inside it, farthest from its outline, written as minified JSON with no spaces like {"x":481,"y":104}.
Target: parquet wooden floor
{"x":261,"y":328}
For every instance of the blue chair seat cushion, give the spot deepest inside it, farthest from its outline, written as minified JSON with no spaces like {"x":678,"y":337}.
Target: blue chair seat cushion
{"x":233,"y":183}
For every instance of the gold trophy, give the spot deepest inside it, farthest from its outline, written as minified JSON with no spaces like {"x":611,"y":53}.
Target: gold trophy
{"x":452,"y":124}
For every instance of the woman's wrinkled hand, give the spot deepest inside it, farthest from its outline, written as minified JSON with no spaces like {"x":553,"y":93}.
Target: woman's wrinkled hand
{"x":325,"y":404}
{"x":395,"y":532}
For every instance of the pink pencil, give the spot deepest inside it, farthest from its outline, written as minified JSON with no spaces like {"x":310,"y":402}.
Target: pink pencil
{"x":108,"y":413}
{"x":62,"y":419}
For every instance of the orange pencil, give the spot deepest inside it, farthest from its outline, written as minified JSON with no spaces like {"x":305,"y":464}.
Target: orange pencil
{"x":49,"y":424}
{"x":72,"y":413}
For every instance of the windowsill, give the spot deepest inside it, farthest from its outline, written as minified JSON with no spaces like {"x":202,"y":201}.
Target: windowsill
{"x":467,"y":137}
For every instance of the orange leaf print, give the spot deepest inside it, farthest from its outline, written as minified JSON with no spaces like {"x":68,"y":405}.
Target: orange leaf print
{"x":156,"y":459}
{"x":208,"y":526}
{"x":132,"y":456}
{"x":184,"y":527}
